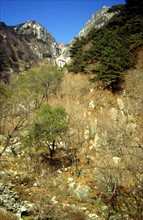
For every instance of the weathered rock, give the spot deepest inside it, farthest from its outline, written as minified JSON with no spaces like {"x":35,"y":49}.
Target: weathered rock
{"x":92,"y":104}
{"x":116,"y":160}
{"x":54,"y":201}
{"x":2,"y":187}
{"x":97,"y":21}
{"x":93,"y":216}
{"x":115,"y":217}
{"x":113,"y":113}
{"x":120,"y":103}
{"x":82,"y":193}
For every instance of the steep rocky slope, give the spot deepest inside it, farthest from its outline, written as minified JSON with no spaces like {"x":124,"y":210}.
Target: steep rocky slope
{"x":97,"y":171}
{"x":97,"y":21}
{"x":15,"y":53}
{"x":39,"y":39}
{"x":23,"y":46}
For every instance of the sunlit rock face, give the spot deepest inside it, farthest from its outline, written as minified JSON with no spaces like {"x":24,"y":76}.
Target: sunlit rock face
{"x":39,"y":39}
{"x":24,"y":46}
{"x":97,"y":21}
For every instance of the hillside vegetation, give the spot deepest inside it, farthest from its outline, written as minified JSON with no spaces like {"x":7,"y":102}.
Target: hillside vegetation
{"x":70,"y":150}
{"x":109,"y":51}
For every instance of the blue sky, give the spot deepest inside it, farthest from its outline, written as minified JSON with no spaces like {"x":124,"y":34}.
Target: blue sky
{"x":62,"y":18}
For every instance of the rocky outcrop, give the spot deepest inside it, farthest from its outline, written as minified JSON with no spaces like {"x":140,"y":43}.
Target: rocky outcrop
{"x":97,"y":21}
{"x":39,"y":39}
{"x":23,"y":46}
{"x":15,"y":53}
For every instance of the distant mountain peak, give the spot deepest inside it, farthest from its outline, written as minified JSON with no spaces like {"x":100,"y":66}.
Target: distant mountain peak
{"x":2,"y":25}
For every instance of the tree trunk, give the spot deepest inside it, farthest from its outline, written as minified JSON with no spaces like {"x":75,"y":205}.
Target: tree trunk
{"x":52,"y":150}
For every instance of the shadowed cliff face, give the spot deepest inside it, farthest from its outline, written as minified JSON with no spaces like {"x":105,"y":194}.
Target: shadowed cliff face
{"x":15,"y":53}
{"x":23,"y":46}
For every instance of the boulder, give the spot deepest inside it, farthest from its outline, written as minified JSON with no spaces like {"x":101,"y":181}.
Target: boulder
{"x":82,"y":193}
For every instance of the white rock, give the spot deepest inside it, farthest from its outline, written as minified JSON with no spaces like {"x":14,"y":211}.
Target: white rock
{"x":120,"y":104}
{"x":92,"y":104}
{"x":131,"y":127}
{"x":70,"y":179}
{"x":72,"y":185}
{"x":116,"y":160}
{"x":53,"y":200}
{"x":82,"y":192}
{"x":113,"y":113}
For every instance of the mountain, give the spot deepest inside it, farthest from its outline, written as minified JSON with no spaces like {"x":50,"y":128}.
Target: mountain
{"x":39,"y":39}
{"x":23,"y":46}
{"x":108,"y":50}
{"x":97,"y":21}
{"x":15,"y":53}
{"x":94,"y":170}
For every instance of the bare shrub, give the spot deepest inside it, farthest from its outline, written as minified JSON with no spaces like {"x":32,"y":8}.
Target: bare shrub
{"x":6,"y":215}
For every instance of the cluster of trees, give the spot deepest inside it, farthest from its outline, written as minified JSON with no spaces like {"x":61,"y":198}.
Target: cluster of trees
{"x":25,"y":112}
{"x":111,"y":48}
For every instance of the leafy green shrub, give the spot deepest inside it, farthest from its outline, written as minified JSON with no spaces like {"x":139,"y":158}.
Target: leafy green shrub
{"x":48,"y":125}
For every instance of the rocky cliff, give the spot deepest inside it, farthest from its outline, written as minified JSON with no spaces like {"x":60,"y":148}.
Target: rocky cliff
{"x":15,"y":53}
{"x":23,"y":46}
{"x":97,"y":21}
{"x":39,"y":39}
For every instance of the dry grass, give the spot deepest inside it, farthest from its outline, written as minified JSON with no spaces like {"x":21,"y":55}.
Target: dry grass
{"x":75,"y":94}
{"x":6,"y":215}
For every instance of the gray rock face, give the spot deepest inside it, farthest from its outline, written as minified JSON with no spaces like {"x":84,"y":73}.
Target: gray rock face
{"x":39,"y":39}
{"x":9,"y":199}
{"x":82,"y":192}
{"x":98,"y":20}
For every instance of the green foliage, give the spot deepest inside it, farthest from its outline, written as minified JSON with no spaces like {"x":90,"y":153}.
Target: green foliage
{"x":21,"y":98}
{"x":49,"y":124}
{"x":38,"y":83}
{"x":77,"y":53}
{"x":76,"y":46}
{"x":112,"y":46}
{"x":116,"y":8}
{"x":4,"y":60}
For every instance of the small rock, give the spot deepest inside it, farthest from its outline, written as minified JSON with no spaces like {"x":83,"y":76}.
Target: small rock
{"x":72,"y":185}
{"x":116,"y":160}
{"x":35,"y":184}
{"x":64,"y":169}
{"x":70,"y":179}
{"x":82,"y":192}
{"x":115,"y":217}
{"x":2,"y":188}
{"x":16,"y":197}
{"x":93,"y":216}
{"x":104,"y":208}
{"x":53,"y":200}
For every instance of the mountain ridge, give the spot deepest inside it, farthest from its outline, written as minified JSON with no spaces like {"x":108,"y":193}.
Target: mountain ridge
{"x":40,"y":44}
